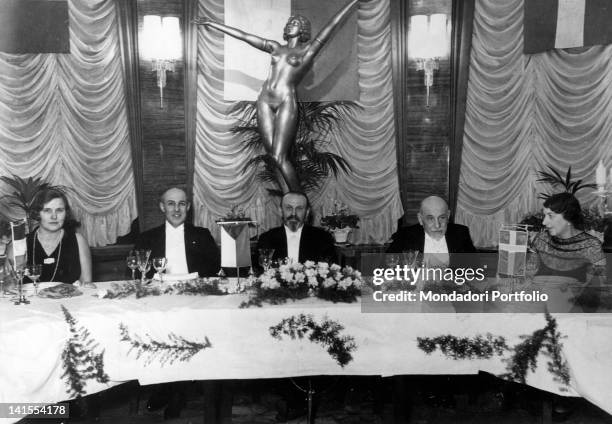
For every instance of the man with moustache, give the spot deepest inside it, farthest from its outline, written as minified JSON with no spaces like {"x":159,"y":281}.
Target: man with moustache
{"x":296,"y":240}
{"x":433,"y":236}
{"x":187,"y":248}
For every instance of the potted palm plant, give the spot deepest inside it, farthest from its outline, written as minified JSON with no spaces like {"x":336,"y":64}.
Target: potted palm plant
{"x":24,"y":192}
{"x":312,"y":162}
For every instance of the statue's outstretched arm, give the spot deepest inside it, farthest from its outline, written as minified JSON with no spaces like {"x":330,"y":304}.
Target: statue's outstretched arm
{"x":255,"y":41}
{"x":325,"y":34}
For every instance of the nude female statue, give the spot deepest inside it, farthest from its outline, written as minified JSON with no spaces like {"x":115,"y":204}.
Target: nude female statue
{"x":277,"y":101}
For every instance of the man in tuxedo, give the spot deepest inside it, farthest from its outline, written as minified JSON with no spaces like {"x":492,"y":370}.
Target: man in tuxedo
{"x":187,"y":248}
{"x":434,"y":236}
{"x":295,"y":239}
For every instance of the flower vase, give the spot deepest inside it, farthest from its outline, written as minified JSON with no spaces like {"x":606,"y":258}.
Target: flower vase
{"x":341,"y":235}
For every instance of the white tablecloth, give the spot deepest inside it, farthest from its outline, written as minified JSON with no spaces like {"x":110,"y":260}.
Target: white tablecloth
{"x":33,"y":336}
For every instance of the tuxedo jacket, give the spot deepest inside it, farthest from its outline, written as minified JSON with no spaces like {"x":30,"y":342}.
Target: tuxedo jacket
{"x":201,"y":251}
{"x":457,"y":237}
{"x":316,"y":244}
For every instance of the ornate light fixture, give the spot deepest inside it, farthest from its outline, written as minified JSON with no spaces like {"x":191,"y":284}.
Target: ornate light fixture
{"x":428,"y":41}
{"x":162,"y":44}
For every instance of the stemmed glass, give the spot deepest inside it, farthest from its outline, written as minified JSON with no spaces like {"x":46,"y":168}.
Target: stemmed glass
{"x":132,"y":263}
{"x":34,"y":272}
{"x":20,"y":272}
{"x":265,"y":258}
{"x":142,"y":257}
{"x":532,"y":264}
{"x":160,"y":266}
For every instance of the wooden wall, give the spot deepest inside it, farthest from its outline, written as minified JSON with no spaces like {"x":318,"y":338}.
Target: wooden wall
{"x":423,"y":132}
{"x":164,"y":155}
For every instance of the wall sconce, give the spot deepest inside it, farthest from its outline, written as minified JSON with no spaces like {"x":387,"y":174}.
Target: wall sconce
{"x":428,"y":41}
{"x":162,"y":45}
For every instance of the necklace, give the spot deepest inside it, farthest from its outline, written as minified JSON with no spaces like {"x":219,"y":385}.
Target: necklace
{"x":59,"y":251}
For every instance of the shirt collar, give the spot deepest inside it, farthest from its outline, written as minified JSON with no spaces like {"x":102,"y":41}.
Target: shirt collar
{"x":171,"y":229}
{"x":290,"y":233}
{"x":432,"y":240}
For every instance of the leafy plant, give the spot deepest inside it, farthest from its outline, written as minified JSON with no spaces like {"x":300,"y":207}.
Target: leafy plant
{"x":340,"y":218}
{"x":554,"y":178}
{"x":312,"y":162}
{"x":25,"y":191}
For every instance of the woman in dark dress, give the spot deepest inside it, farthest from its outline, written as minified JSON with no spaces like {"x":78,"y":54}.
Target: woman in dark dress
{"x":565,"y":249}
{"x":54,"y":244}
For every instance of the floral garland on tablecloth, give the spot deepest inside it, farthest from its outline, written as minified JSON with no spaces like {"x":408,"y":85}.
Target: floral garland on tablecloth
{"x":311,"y":279}
{"x":524,"y":355}
{"x":79,"y":360}
{"x":177,"y":349}
{"x":326,"y":333}
{"x":199,"y":286}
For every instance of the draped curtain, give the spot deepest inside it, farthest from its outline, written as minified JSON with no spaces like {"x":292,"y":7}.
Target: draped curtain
{"x":366,"y":139}
{"x":524,"y":113}
{"x":63,"y":117}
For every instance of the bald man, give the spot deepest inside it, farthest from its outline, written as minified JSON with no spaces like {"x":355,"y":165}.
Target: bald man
{"x":433,"y":235}
{"x":187,"y":248}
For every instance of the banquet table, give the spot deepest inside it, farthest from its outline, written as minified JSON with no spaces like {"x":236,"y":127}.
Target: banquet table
{"x":33,"y":337}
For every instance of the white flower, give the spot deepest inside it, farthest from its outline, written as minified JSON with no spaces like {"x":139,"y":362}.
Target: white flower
{"x":102,"y":293}
{"x":337,"y":276}
{"x":329,"y":282}
{"x":284,"y":268}
{"x":357,"y":274}
{"x":310,"y":272}
{"x":269,"y":283}
{"x":312,"y":281}
{"x":300,"y":277}
{"x":296,"y":266}
{"x":323,"y":265}
{"x":286,"y":276}
{"x":309,"y":264}
{"x":345,"y":283}
{"x":323,"y":272}
{"x":335,"y":267}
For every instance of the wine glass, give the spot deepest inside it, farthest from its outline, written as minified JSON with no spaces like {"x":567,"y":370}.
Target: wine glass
{"x":265,"y":258}
{"x":160,"y":266}
{"x":144,"y":265}
{"x":132,"y":263}
{"x":19,"y":272}
{"x":34,"y":272}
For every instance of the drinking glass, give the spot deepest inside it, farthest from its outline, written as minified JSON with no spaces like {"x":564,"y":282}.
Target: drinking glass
{"x":34,"y":272}
{"x":20,"y":272}
{"x":132,"y":263}
{"x":160,"y":266}
{"x":392,"y":260}
{"x":265,"y":258}
{"x":144,"y":265}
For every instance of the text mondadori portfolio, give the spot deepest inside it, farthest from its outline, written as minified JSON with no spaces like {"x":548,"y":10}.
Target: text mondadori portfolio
{"x":469,"y":296}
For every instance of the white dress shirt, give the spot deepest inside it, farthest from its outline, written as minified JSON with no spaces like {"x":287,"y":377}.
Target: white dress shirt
{"x":435,"y":252}
{"x":175,"y":249}
{"x":293,"y":243}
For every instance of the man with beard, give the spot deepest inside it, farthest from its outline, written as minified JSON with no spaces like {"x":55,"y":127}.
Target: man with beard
{"x":296,"y":240}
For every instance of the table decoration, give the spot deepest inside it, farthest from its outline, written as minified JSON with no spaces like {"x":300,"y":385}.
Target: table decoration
{"x":340,"y":223}
{"x":177,"y":348}
{"x":524,"y":356}
{"x":326,"y":333}
{"x":79,"y":358}
{"x":198,"y":286}
{"x":297,"y":281}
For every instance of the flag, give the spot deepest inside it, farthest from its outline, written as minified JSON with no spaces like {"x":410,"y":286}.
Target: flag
{"x":235,"y":244}
{"x":18,"y":239}
{"x":34,"y":26}
{"x":512,"y":249}
{"x":559,"y":24}
{"x":334,"y":75}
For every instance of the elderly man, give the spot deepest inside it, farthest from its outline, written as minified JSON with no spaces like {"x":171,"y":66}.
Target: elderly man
{"x":295,"y":239}
{"x":434,"y":235}
{"x":187,"y":248}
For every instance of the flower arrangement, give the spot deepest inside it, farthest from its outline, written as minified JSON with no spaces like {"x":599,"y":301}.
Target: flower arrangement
{"x":235,"y":214}
{"x":340,"y":218}
{"x":298,"y":281}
